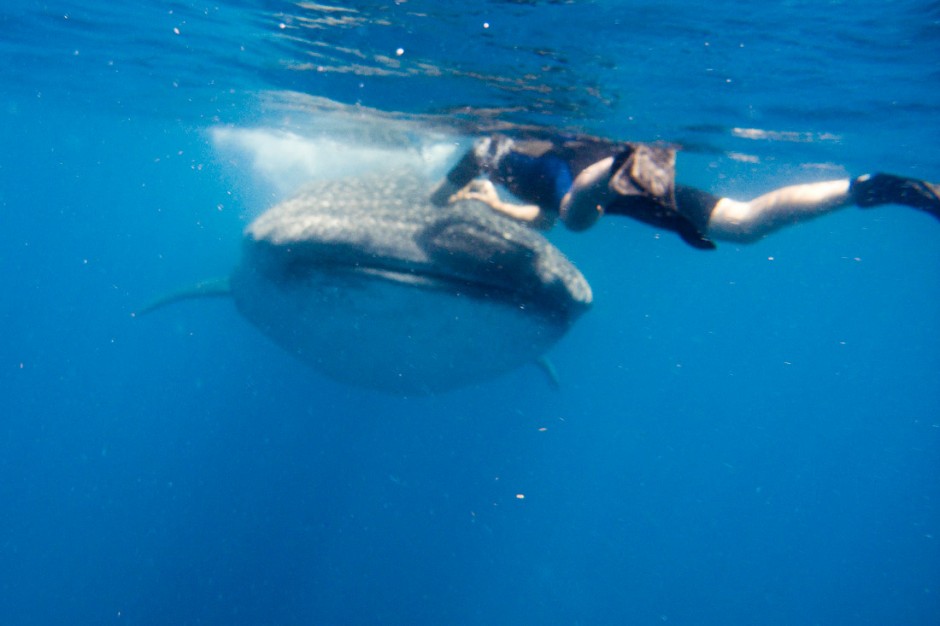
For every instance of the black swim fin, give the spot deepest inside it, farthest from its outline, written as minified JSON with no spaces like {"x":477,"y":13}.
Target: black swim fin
{"x":876,"y":189}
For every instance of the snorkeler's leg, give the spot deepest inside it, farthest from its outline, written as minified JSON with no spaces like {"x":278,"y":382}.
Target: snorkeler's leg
{"x":873,"y":190}
{"x":732,"y":220}
{"x":749,"y":221}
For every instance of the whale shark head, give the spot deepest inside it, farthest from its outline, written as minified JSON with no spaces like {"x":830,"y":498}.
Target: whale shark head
{"x":369,"y":283}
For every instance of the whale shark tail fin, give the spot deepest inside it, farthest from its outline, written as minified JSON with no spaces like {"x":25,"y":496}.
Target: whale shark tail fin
{"x":214,"y":288}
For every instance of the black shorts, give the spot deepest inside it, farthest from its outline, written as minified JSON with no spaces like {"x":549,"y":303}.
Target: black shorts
{"x":645,"y":179}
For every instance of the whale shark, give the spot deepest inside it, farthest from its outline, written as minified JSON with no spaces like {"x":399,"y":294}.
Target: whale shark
{"x":370,"y":284}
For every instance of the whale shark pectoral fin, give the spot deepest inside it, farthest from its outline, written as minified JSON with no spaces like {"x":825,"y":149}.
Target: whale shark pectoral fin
{"x":214,"y":288}
{"x":549,"y":368}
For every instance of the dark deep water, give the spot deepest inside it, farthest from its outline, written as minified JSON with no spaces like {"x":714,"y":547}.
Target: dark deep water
{"x":749,"y":436}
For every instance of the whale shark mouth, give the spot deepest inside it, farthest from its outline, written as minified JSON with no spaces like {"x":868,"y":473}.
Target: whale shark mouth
{"x":426,"y":278}
{"x":449,"y":257}
{"x":423,"y":278}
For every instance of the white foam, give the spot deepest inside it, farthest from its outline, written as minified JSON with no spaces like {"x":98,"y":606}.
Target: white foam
{"x":285,"y":160}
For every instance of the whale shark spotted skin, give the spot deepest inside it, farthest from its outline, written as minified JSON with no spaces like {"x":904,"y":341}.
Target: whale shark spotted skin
{"x":367,"y":282}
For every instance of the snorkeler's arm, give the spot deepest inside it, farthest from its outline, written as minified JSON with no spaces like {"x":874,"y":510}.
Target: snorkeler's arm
{"x":484,"y":191}
{"x":457,"y":178}
{"x":589,"y":194}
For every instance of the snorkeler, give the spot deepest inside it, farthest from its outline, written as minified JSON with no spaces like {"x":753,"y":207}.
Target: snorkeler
{"x":581,"y":179}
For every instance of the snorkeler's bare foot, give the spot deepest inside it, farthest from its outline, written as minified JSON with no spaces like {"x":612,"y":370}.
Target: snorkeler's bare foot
{"x":876,"y":189}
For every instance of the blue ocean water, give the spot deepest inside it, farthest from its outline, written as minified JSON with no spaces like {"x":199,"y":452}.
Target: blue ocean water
{"x":748,"y":436}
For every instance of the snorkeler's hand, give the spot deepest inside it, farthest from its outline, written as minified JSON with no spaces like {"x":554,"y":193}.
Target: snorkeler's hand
{"x":483,"y":190}
{"x":479,"y":189}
